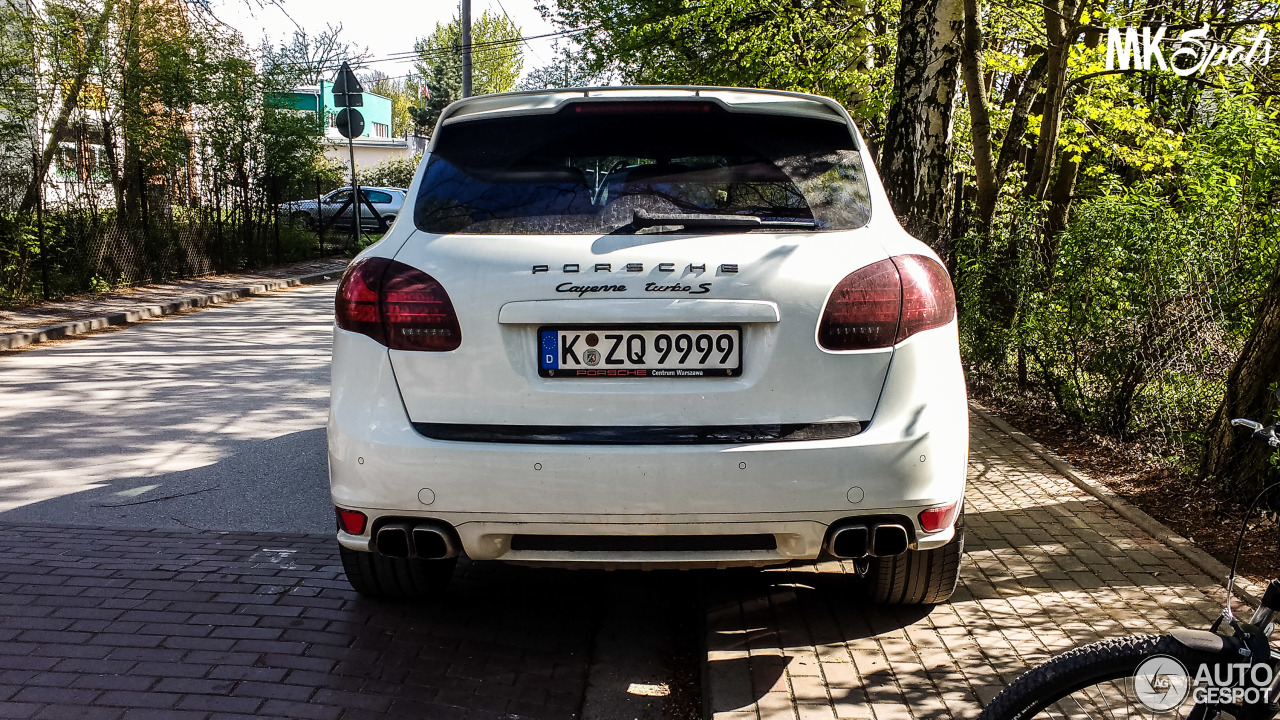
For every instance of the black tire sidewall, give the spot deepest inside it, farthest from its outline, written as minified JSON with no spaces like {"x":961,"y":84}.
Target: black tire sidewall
{"x":1085,"y":666}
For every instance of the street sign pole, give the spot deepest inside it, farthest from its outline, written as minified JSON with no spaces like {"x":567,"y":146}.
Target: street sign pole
{"x":355,"y":197}
{"x":347,"y":94}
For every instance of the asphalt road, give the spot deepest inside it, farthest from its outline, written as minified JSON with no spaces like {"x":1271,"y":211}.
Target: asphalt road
{"x":211,"y":421}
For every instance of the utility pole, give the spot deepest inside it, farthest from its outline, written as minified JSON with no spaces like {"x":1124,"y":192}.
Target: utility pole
{"x":466,"y":48}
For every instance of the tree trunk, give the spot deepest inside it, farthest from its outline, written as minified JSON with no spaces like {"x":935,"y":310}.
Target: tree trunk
{"x":1011,"y":146}
{"x":1061,"y":39}
{"x":70,"y":100}
{"x":916,"y":155}
{"x":1232,"y":460}
{"x":130,"y":113}
{"x":1064,"y":189}
{"x":980,"y":112}
{"x":113,"y":161}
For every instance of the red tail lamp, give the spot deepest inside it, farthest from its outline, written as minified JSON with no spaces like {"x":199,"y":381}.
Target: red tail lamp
{"x":936,"y":519}
{"x":352,"y":521}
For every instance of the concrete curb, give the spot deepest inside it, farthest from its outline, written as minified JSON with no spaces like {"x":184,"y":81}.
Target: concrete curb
{"x":14,"y":340}
{"x":1245,"y":590}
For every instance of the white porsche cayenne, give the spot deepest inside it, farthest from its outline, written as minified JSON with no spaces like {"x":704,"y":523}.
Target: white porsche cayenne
{"x":648,"y":327}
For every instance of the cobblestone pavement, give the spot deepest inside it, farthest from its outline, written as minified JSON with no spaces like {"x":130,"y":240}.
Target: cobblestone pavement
{"x":105,"y":624}
{"x":1047,"y":567}
{"x":84,"y":307}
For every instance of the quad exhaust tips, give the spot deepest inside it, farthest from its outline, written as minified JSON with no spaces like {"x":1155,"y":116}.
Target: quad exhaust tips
{"x":424,"y":540}
{"x":855,"y":541}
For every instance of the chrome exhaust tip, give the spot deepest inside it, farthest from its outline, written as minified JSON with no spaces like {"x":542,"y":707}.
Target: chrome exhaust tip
{"x":434,"y":542}
{"x":888,"y":540}
{"x":849,"y":542}
{"x":393,"y":540}
{"x":406,"y":539}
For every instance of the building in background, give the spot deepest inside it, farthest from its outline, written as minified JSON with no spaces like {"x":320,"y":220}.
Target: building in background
{"x":373,"y":146}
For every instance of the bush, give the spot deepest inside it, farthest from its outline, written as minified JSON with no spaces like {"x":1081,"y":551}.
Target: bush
{"x":396,"y":172}
{"x":1129,"y":319}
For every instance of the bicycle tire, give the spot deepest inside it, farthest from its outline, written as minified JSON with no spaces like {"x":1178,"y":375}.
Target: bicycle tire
{"x":1079,"y":669}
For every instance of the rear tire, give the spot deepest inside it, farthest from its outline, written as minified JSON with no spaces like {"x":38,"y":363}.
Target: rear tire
{"x":918,"y":577}
{"x":384,"y":578}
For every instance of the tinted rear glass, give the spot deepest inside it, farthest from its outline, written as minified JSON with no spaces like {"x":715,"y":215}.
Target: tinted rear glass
{"x":588,"y":173}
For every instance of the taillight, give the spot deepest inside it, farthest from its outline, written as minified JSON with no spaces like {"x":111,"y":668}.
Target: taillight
{"x":397,"y":305}
{"x":931,"y":521}
{"x":928,"y":300}
{"x":351,"y":521}
{"x":862,"y":312}
{"x":416,"y":311}
{"x":886,"y":303}
{"x":356,"y":307}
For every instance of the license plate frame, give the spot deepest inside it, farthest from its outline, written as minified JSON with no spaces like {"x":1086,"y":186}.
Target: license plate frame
{"x":551,"y":356}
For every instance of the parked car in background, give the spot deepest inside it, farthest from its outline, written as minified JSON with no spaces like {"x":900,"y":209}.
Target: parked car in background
{"x":386,"y":200}
{"x":642,"y":328}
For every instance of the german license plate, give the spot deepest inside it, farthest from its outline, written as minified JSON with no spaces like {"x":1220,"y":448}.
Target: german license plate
{"x":640,"y":353}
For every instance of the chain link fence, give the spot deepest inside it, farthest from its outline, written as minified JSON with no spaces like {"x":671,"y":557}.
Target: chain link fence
{"x":88,"y":234}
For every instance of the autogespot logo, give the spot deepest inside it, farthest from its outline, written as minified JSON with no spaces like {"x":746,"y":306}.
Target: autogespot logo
{"x":1162,"y":683}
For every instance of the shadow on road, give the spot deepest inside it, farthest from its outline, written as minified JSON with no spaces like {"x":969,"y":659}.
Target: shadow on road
{"x":232,"y":390}
{"x":276,"y":485}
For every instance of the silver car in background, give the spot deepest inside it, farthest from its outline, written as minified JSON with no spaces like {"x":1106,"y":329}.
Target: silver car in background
{"x":336,"y":208}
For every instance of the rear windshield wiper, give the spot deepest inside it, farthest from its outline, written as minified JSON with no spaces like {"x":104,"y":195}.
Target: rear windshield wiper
{"x":644,"y":219}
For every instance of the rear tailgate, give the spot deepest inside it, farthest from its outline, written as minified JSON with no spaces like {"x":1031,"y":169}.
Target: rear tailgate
{"x":770,"y":287}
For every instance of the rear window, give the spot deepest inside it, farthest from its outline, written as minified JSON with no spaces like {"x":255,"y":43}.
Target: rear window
{"x":590,"y":172}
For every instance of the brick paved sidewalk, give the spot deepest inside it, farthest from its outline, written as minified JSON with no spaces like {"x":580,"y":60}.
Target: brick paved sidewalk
{"x":1047,"y":567}
{"x":23,"y":321}
{"x":104,"y":624}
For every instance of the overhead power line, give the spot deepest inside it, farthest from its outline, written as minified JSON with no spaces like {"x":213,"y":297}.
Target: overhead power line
{"x":425,"y":54}
{"x":513,"y":24}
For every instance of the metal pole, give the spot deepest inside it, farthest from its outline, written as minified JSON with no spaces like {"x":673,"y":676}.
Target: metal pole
{"x":320,"y":216}
{"x":322,"y":121}
{"x":466,"y":48}
{"x":355,"y":197}
{"x":275,"y":216}
{"x":44,"y":255}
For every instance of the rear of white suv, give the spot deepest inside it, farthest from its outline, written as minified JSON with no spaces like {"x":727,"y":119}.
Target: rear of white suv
{"x":648,"y":327}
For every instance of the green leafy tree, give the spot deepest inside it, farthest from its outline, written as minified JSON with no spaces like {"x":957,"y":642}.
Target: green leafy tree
{"x":839,"y":48}
{"x":401,"y":95}
{"x":18,"y":99}
{"x":66,"y":40}
{"x":568,"y":68}
{"x":497,"y":59}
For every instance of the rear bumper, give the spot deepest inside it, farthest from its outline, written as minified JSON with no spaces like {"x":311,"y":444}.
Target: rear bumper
{"x":910,"y":457}
{"x":796,"y":541}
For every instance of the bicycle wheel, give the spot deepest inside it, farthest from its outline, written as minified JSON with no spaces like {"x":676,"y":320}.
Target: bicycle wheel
{"x":1102,"y":681}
